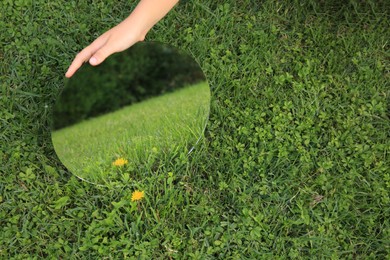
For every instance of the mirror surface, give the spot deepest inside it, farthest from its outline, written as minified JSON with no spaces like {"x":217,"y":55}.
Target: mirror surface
{"x":139,"y":106}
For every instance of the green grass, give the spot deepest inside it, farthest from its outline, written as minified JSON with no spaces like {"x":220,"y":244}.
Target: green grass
{"x":295,"y":159}
{"x":140,"y":133}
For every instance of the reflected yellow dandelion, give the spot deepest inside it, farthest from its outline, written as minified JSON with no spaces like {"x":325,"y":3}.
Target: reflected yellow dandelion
{"x":120,"y":162}
{"x":137,"y":195}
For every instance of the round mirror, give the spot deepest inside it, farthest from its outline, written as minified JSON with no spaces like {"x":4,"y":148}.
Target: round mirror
{"x":137,"y":106}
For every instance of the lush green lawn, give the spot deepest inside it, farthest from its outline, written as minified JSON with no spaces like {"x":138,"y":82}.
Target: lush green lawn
{"x":294,"y":165}
{"x":139,"y":133}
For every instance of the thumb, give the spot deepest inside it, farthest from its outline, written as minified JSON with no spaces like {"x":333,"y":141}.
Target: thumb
{"x":99,"y":56}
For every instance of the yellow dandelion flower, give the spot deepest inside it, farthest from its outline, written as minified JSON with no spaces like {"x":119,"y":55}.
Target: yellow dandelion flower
{"x":137,"y":195}
{"x":120,"y":162}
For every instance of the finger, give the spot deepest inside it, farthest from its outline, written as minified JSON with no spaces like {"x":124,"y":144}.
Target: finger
{"x":84,"y":56}
{"x":99,"y":56}
{"x":76,"y":64}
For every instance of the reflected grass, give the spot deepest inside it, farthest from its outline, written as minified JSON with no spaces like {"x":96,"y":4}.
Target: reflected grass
{"x":139,"y":133}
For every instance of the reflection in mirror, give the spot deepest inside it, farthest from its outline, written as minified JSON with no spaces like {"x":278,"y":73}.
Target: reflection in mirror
{"x":139,"y":105}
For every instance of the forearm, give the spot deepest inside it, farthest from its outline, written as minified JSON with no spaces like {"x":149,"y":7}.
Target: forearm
{"x":148,"y":13}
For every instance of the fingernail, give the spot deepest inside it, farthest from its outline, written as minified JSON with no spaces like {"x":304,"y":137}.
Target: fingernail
{"x":93,"y":60}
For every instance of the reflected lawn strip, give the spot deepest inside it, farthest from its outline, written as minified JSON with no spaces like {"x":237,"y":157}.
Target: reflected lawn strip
{"x":134,"y":132}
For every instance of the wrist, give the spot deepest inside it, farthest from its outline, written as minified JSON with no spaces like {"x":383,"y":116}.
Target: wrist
{"x":133,"y":27}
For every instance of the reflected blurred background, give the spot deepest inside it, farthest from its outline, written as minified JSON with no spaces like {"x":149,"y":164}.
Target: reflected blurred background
{"x":143,"y":71}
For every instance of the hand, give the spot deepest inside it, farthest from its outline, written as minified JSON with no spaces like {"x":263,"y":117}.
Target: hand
{"x":133,"y":29}
{"x":117,"y":39}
